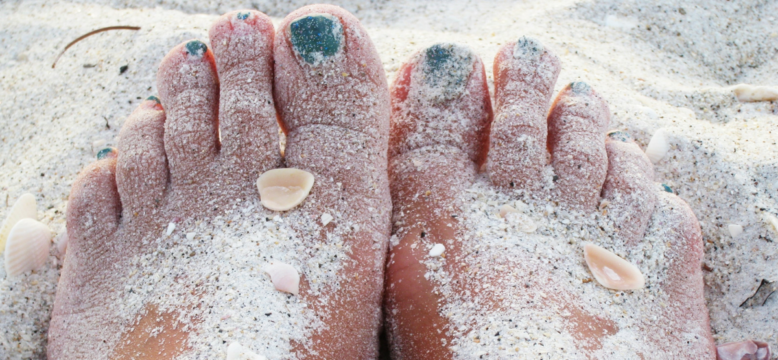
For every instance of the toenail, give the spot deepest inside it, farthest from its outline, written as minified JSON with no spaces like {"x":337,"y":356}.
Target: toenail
{"x":580,"y":87}
{"x":446,"y":69}
{"x":527,"y":48}
{"x":316,"y":37}
{"x":154,"y":99}
{"x":667,"y":188}
{"x":105,"y":153}
{"x":196,"y":48}
{"x":620,"y":136}
{"x":243,"y":15}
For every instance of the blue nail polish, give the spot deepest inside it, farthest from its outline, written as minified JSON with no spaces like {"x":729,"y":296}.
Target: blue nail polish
{"x":196,"y":48}
{"x":620,"y":136}
{"x":447,"y":67}
{"x":102,"y":154}
{"x":580,"y":87}
{"x":154,"y":98}
{"x":528,"y":48}
{"x":243,"y":15}
{"x":667,"y":188}
{"x":316,"y":37}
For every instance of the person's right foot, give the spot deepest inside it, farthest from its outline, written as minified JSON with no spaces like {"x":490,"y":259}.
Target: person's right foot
{"x":517,"y":286}
{"x":167,"y":237}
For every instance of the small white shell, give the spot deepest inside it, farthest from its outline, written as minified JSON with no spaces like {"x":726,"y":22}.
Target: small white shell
{"x":748,"y":93}
{"x":612,"y":271}
{"x":772,"y":221}
{"x":284,"y":276}
{"x":27,"y":247}
{"x":505,"y":209}
{"x":283,"y":189}
{"x":658,"y":146}
{"x":23,"y":208}
{"x":735,"y":230}
{"x":170,"y":228}
{"x":325,"y":219}
{"x":236,"y":351}
{"x":437,"y":250}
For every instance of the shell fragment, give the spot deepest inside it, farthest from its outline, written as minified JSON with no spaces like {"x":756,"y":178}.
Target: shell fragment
{"x":283,"y":189}
{"x":437,"y":250}
{"x":658,"y":146}
{"x":612,"y":271}
{"x":27,"y":247}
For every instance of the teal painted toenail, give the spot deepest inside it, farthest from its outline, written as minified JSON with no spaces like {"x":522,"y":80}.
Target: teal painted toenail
{"x":528,"y":48}
{"x":620,"y":136}
{"x":667,"y":188}
{"x":316,"y":37}
{"x":196,"y":48}
{"x":580,"y":87}
{"x":447,"y":68}
{"x":243,"y":15}
{"x":102,"y":154}
{"x":154,"y":98}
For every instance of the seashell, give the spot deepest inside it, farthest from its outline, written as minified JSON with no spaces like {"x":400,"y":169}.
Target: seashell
{"x":771,"y":220}
{"x":437,"y":250}
{"x":61,"y":242}
{"x":325,"y":219}
{"x":735,"y":229}
{"x":612,"y":271}
{"x":505,"y":209}
{"x":658,"y":146}
{"x":752,"y":350}
{"x":23,"y":208}
{"x":285,"y":277}
{"x":749,"y":93}
{"x":236,"y":351}
{"x":283,"y":189}
{"x":27,"y":247}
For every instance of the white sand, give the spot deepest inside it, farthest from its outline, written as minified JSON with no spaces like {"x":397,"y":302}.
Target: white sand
{"x":657,"y":65}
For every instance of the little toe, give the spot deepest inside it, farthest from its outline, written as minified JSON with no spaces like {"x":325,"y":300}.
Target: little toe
{"x":629,"y":191}
{"x":189,"y":90}
{"x":243,"y":47}
{"x":141,"y":170}
{"x":524,"y":76}
{"x":94,"y":207}
{"x":333,"y":101}
{"x":675,"y":231}
{"x":93,"y":215}
{"x":576,"y":124}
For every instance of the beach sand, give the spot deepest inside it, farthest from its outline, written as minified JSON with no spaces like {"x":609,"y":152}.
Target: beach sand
{"x":660,"y":66}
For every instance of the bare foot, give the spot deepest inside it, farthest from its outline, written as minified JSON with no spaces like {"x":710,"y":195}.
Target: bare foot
{"x":464,"y":281}
{"x":168,"y":239}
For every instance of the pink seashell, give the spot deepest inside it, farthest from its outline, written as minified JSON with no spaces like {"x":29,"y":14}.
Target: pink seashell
{"x":284,"y":276}
{"x":612,"y":271}
{"x":743,"y":350}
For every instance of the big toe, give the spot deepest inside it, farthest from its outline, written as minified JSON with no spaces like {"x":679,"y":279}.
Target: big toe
{"x":440,"y":122}
{"x":333,"y":103}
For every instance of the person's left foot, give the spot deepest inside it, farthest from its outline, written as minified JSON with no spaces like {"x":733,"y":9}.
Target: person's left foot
{"x":493,"y":266}
{"x":167,"y":236}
